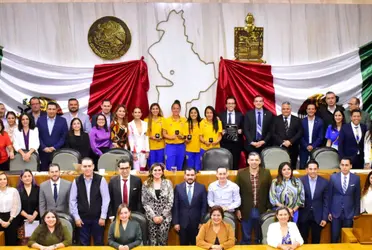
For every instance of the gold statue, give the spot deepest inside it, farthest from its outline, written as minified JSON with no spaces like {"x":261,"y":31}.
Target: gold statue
{"x":109,"y":37}
{"x":248,"y":45}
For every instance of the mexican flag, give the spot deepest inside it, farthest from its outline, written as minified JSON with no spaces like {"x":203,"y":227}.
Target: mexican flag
{"x":122,"y":83}
{"x":347,"y":75}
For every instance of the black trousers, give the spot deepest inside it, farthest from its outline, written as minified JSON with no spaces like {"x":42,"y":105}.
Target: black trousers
{"x":11,"y":231}
{"x":316,"y":229}
{"x":235,"y":149}
{"x":4,"y":166}
{"x":188,"y":235}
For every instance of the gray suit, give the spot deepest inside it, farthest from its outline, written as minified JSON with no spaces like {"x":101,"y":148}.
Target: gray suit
{"x":46,"y":198}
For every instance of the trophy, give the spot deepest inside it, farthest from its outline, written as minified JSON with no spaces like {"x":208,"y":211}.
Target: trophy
{"x":157,"y":136}
{"x":210,"y":140}
{"x":232,"y":132}
{"x":177,"y":132}
{"x":189,"y":137}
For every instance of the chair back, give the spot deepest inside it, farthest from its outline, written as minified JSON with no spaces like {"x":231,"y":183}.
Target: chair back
{"x":266,"y":219}
{"x":66,"y":158}
{"x":273,"y":156}
{"x":217,"y":157}
{"x":110,"y":159}
{"x":67,"y":224}
{"x":326,"y":157}
{"x":141,"y":219}
{"x":18,"y":164}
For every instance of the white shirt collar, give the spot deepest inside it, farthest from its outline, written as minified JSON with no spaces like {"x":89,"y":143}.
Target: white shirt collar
{"x":57,"y":182}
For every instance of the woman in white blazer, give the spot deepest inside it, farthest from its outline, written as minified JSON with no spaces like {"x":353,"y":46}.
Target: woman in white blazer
{"x":284,"y":234}
{"x":138,"y":140}
{"x":367,"y":148}
{"x":26,"y":137}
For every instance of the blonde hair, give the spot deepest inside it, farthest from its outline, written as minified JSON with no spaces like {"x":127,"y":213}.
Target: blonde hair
{"x":118,"y":221}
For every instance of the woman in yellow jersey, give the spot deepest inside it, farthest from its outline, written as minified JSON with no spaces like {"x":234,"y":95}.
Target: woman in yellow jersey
{"x":210,"y":130}
{"x":173,"y":129}
{"x":192,"y":140}
{"x":155,"y":122}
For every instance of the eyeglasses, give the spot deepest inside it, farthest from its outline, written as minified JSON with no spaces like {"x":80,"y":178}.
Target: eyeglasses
{"x":125,"y":168}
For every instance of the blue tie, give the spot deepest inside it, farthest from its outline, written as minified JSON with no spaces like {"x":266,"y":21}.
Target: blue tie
{"x":259,"y":127}
{"x":344,"y":185}
{"x":229,"y":121}
{"x":55,"y":192}
{"x":189,"y":197}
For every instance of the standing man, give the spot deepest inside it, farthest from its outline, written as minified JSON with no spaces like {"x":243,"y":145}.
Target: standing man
{"x":313,"y":135}
{"x":351,"y":140}
{"x":125,"y":188}
{"x":314,"y":214}
{"x":233,"y":119}
{"x":326,"y":111}
{"x":354,"y":104}
{"x":52,"y":134}
{"x":287,"y":132}
{"x":257,"y":124}
{"x":73,"y":107}
{"x":254,"y":183}
{"x":344,"y":199}
{"x":89,"y":202}
{"x":36,"y":112}
{"x":106,"y":111}
{"x":54,"y":193}
{"x":189,"y":209}
{"x":2,"y":113}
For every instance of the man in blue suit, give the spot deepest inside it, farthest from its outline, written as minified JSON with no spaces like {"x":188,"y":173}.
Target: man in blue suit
{"x":52,"y":134}
{"x":344,"y":199}
{"x":313,"y":134}
{"x":314,"y":214}
{"x":190,"y":207}
{"x":351,"y":140}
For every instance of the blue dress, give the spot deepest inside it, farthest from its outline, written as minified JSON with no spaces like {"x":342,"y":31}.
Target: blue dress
{"x":332,"y":134}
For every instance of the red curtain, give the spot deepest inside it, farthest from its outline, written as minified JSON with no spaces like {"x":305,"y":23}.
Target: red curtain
{"x":122,"y":83}
{"x":244,"y":81}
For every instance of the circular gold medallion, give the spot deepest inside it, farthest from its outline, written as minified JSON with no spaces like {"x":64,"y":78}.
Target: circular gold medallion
{"x":109,"y":37}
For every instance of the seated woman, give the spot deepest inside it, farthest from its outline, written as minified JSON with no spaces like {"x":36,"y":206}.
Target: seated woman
{"x":284,"y":234}
{"x":216,"y":234}
{"x":77,"y":139}
{"x":124,"y":233}
{"x":26,"y":137}
{"x":366,"y":197}
{"x":50,"y":233}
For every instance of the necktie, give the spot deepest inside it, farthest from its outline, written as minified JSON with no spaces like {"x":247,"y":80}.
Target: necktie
{"x":125,"y":192}
{"x":286,"y":124}
{"x":344,"y":185}
{"x":229,"y":121}
{"x":259,"y":126}
{"x":357,"y":134}
{"x":189,"y":197}
{"x":55,"y":194}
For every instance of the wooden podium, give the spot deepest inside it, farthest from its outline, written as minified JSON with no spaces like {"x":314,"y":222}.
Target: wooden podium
{"x":362,"y":228}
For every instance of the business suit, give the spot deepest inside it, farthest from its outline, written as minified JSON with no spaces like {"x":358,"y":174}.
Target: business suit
{"x":366,"y":119}
{"x":349,"y":147}
{"x":46,"y":197}
{"x":294,"y":135}
{"x":250,"y":129}
{"x":343,"y":206}
{"x":187,"y":215}
{"x":317,"y":138}
{"x":116,"y":194}
{"x":56,"y":139}
{"x":234,"y":147}
{"x":87,"y":126}
{"x":94,"y":117}
{"x":315,"y":209}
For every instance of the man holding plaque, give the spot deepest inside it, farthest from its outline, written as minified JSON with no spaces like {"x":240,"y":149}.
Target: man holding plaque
{"x":232,"y":124}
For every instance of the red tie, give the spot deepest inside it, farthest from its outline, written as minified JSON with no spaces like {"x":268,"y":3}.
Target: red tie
{"x":125,"y":192}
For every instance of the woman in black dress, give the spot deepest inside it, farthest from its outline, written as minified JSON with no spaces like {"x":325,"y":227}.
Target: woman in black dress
{"x":77,"y":139}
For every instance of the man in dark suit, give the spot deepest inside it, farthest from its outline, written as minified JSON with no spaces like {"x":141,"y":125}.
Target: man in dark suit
{"x":189,"y":207}
{"x":326,"y":112}
{"x":344,"y":199}
{"x":230,"y":117}
{"x":125,"y":188}
{"x":313,"y":135}
{"x":287,"y":132}
{"x":314,"y":214}
{"x":106,"y":111}
{"x":254,"y":183}
{"x":52,"y":134}
{"x":257,"y":124}
{"x":351,"y":140}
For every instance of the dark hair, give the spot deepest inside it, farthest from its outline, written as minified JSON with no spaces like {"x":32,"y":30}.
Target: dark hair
{"x":334,"y":124}
{"x":280,"y":176}
{"x":357,"y":100}
{"x":105,"y":100}
{"x":2,"y":127}
{"x":150,"y":117}
{"x":219,"y":167}
{"x":125,"y":159}
{"x":52,"y":103}
{"x":176,"y":102}
{"x":367,"y":184}
{"x":87,"y":159}
{"x":258,"y":96}
{"x":311,"y":103}
{"x":51,"y":165}
{"x":72,"y":99}
{"x":253,"y":153}
{"x":190,"y":122}
{"x":369,"y":136}
{"x":280,"y":209}
{"x":355,"y":111}
{"x":230,"y":97}
{"x":11,"y":113}
{"x":71,"y":132}
{"x":330,"y":93}
{"x":20,"y":185}
{"x":214,"y":119}
{"x":217,"y":208}
{"x":104,"y":126}
{"x":190,"y":169}
{"x":34,"y":98}
{"x":312,"y":162}
{"x":44,"y":231}
{"x":345,"y":158}
{"x":31,"y":124}
{"x":150,"y":179}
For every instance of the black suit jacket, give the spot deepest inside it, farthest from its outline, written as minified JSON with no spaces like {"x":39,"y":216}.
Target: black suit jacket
{"x":239,"y":119}
{"x":250,"y":126}
{"x":294,"y":132}
{"x":116,"y":197}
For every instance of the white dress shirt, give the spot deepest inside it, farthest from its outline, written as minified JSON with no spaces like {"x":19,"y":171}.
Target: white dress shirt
{"x":232,"y":117}
{"x":311,"y":128}
{"x":192,"y":188}
{"x":10,"y":201}
{"x":366,"y":202}
{"x":122,"y":187}
{"x":367,"y":148}
{"x":357,"y":131}
{"x":347,"y":180}
{"x":288,"y":119}
{"x":58,"y":185}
